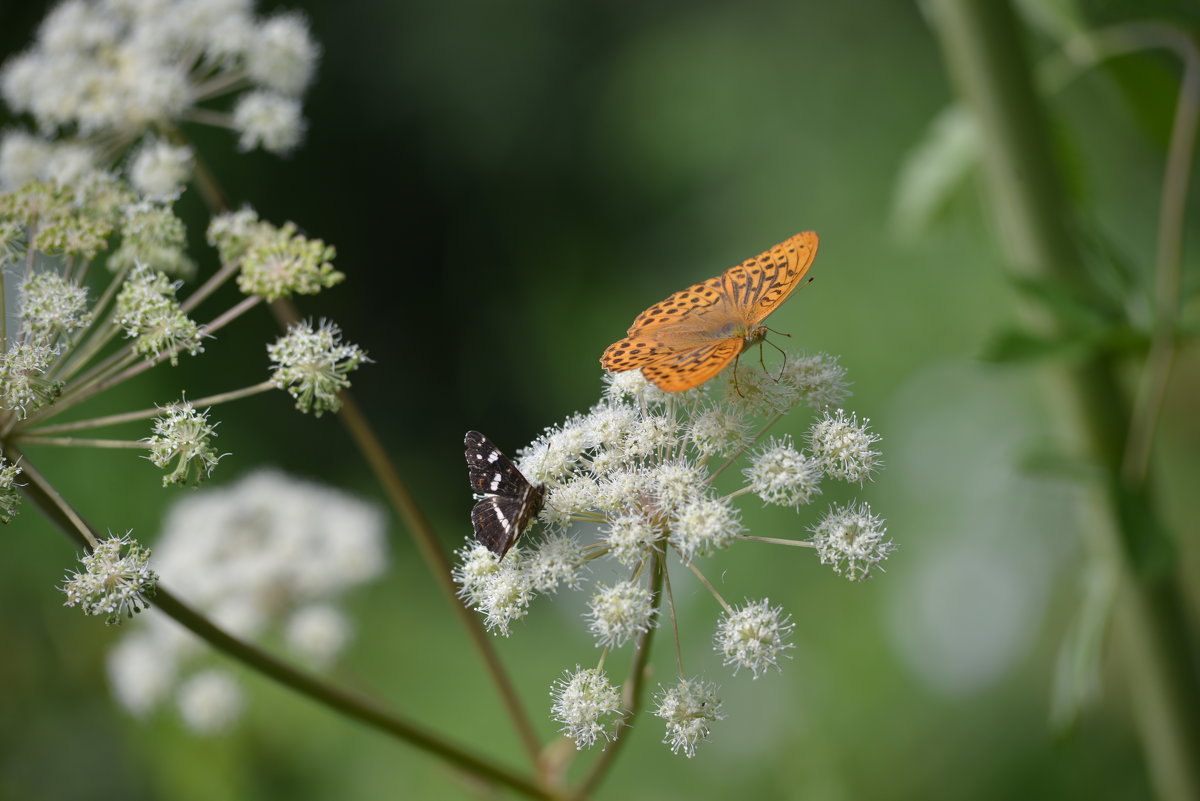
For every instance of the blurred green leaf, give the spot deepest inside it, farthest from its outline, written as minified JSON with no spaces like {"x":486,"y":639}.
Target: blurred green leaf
{"x":1044,"y":460}
{"x":1076,"y":313}
{"x":932,"y":171}
{"x":1077,"y":668}
{"x":1015,"y":346}
{"x":1058,"y":19}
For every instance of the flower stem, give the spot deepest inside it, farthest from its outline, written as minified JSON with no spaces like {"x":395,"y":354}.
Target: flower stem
{"x":353,"y":705}
{"x":406,"y":507}
{"x":632,"y":700}
{"x":777,"y":541}
{"x":80,"y":442}
{"x":427,"y":543}
{"x":983,"y":50}
{"x":704,"y":580}
{"x":674,"y":621}
{"x":1152,"y":387}
{"x":146,"y":414}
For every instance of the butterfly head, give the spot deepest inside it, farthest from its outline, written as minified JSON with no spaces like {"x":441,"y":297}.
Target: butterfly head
{"x":753,"y":335}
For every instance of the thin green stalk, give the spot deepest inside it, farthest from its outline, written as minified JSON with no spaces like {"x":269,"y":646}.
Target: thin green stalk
{"x":214,"y":282}
{"x":1152,"y":388}
{"x":406,"y":507}
{"x":418,"y":525}
{"x":146,"y":414}
{"x":984,"y":54}
{"x":117,"y":371}
{"x":704,"y":580}
{"x":3,"y":312}
{"x":734,"y":457}
{"x":350,"y":704}
{"x":634,"y":688}
{"x":99,"y":333}
{"x":777,"y":541}
{"x":81,"y":442}
{"x":674,"y":620}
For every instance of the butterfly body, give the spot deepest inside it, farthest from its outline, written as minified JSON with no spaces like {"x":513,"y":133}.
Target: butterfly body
{"x":507,"y":502}
{"x":694,"y":334}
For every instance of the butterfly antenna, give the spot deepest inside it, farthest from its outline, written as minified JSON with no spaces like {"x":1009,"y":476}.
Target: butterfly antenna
{"x":773,"y":331}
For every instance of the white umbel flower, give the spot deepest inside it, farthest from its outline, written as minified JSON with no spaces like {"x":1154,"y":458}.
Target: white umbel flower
{"x":268,"y":120}
{"x":842,"y":446}
{"x":689,"y":709}
{"x":582,"y":701}
{"x":160,"y":169}
{"x":781,"y":475}
{"x":754,"y":636}
{"x":851,"y":539}
{"x":620,"y":612}
{"x":210,"y":702}
{"x":319,"y":633}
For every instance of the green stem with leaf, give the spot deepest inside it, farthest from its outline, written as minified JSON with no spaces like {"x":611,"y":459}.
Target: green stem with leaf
{"x":984,"y":53}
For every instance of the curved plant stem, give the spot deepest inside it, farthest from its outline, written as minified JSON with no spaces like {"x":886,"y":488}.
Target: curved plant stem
{"x":984,"y":54}
{"x":355,"y":706}
{"x":1152,"y":388}
{"x":406,"y":507}
{"x":418,"y":525}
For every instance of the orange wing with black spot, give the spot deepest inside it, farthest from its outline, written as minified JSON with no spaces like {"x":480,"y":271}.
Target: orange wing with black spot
{"x":680,"y":307}
{"x":686,"y":339}
{"x":760,"y":285}
{"x":691,"y":368}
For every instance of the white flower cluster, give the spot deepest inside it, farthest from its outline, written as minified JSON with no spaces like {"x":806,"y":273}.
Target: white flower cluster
{"x":101,"y":73}
{"x":639,"y":469}
{"x":268,"y":556}
{"x":115,"y":581}
{"x":58,"y":353}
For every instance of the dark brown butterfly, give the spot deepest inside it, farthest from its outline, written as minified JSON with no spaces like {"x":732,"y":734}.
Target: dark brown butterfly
{"x":507,"y":501}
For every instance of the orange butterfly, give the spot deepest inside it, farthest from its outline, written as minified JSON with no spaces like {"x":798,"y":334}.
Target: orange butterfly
{"x":691,"y":336}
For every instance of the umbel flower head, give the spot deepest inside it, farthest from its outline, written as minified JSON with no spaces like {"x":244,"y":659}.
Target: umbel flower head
{"x":182,"y":434}
{"x":115,"y":582}
{"x":269,"y":556}
{"x":104,"y":72}
{"x":689,"y":709}
{"x":582,"y":701}
{"x":312,"y":364}
{"x":645,"y":472}
{"x":10,"y":498}
{"x":66,"y":347}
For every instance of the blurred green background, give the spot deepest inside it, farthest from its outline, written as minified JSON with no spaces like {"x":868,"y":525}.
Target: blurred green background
{"x":508,"y":185}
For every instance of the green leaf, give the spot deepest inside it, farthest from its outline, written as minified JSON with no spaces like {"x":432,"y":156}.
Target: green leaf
{"x":1015,"y":346}
{"x":1077,"y":668}
{"x":1075,"y":313}
{"x":932,"y":171}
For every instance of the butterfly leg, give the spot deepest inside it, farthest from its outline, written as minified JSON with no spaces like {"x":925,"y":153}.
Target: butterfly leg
{"x":736,"y":388}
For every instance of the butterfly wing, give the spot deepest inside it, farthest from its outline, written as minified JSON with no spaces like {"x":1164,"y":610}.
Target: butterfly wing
{"x":685,"y":369}
{"x":632,"y":352}
{"x":686,"y":339}
{"x":509,"y":502}
{"x":491,"y":472}
{"x":684,"y":304}
{"x":758,"y":286}
{"x":499,"y":520}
